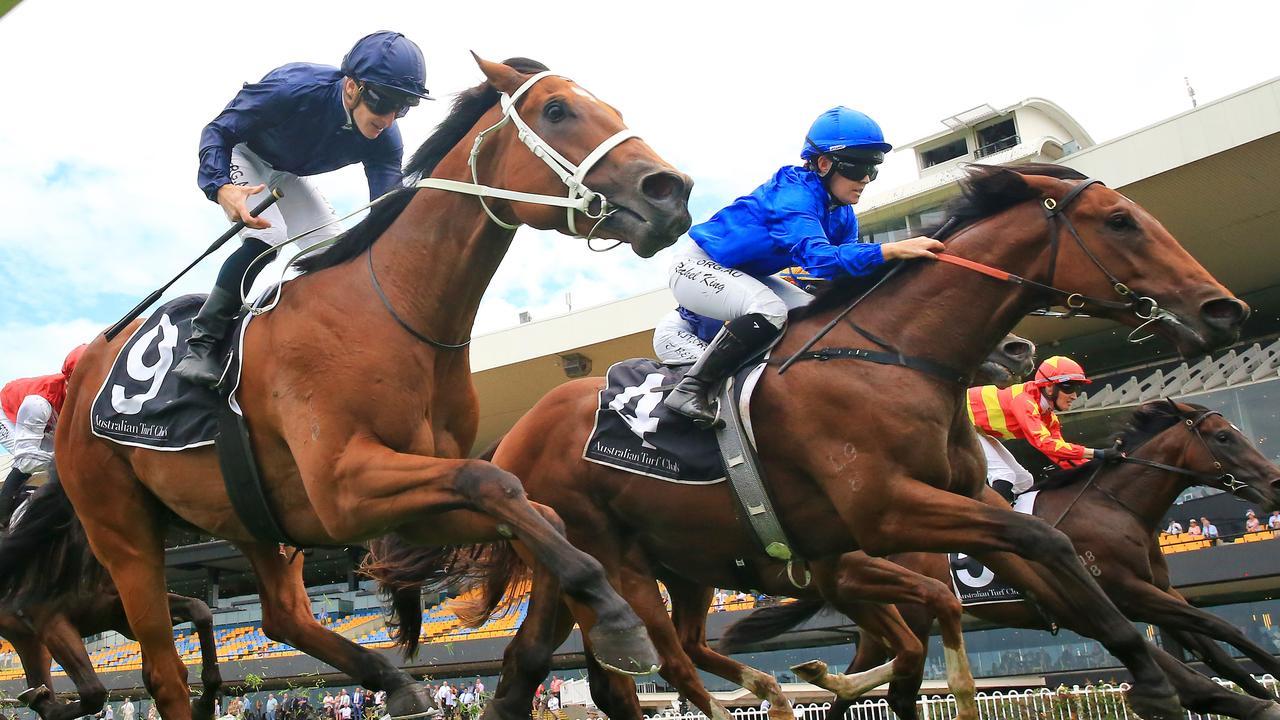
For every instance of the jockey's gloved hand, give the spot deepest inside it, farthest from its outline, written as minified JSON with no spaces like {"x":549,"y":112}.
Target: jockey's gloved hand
{"x":1106,"y":455}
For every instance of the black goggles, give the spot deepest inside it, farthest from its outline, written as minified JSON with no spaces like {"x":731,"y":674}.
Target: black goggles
{"x":1070,"y":387}
{"x":381,"y":101}
{"x":854,"y":170}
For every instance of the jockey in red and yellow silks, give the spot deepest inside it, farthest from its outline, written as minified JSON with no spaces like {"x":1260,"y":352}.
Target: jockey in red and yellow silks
{"x":1027,"y":411}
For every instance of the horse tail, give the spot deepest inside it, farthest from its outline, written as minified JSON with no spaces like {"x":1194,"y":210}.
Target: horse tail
{"x":767,"y":622}
{"x":403,"y":571}
{"x":502,"y":570}
{"x":45,"y":556}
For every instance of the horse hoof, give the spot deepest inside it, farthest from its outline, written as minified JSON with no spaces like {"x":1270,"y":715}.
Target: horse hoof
{"x":1270,"y":712}
{"x":409,"y":702}
{"x":810,"y":672}
{"x":1160,"y":707}
{"x":628,"y":651}
{"x":202,"y":707}
{"x":31,"y":696}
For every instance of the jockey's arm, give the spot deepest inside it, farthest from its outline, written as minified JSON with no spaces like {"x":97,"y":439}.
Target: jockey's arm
{"x":257,"y":105}
{"x":34,"y":421}
{"x":382,"y":170}
{"x":1047,"y":438}
{"x":797,"y":226}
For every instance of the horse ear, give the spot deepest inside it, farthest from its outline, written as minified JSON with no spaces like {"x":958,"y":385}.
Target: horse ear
{"x":1173,"y":406}
{"x":503,"y":77}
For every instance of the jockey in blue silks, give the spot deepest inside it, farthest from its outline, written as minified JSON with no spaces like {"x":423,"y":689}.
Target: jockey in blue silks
{"x":301,"y":119}
{"x":802,"y":216}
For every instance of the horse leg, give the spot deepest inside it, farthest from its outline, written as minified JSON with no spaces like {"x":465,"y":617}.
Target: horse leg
{"x":613,"y":693}
{"x":185,"y":609}
{"x":125,"y":534}
{"x":858,"y":580}
{"x":918,"y":517}
{"x":35,"y":660}
{"x":640,"y":589}
{"x":689,"y":606}
{"x":382,"y":488}
{"x":1212,"y":654}
{"x":527,"y":659}
{"x":287,"y":618}
{"x":1146,"y":603}
{"x":1202,"y":695}
{"x":65,"y":644}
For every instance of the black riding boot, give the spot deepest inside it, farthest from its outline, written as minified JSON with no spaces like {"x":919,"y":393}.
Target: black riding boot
{"x":9,"y":494}
{"x":200,"y":365}
{"x":1005,"y":488}
{"x":737,"y":342}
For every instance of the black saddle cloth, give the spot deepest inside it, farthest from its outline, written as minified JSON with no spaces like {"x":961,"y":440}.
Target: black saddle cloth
{"x":142,"y":402}
{"x":634,"y":431}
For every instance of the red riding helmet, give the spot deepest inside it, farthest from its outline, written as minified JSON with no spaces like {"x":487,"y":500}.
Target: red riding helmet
{"x":1060,"y":369}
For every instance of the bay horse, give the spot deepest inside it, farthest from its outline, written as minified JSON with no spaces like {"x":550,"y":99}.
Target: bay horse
{"x":902,"y":472}
{"x":54,"y":592}
{"x":357,"y":385}
{"x":1112,"y":513}
{"x":681,"y":639}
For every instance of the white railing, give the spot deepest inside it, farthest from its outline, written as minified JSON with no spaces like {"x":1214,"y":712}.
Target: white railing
{"x":1094,"y":702}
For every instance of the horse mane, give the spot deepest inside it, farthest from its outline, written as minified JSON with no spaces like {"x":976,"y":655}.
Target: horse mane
{"x":1149,"y":420}
{"x":45,"y":557}
{"x":468,"y":107}
{"x":984,"y":191}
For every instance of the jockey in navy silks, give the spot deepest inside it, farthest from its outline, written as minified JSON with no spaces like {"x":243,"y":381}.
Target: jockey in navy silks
{"x":301,"y":119}
{"x":802,"y":216}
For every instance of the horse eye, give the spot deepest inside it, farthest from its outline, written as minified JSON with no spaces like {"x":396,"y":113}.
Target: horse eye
{"x":1120,"y":221}
{"x":1224,"y":437}
{"x":555,"y":111}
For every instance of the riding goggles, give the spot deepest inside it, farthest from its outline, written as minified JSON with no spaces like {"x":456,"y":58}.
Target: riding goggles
{"x":381,"y":101}
{"x":1070,"y":387}
{"x":856,"y":170}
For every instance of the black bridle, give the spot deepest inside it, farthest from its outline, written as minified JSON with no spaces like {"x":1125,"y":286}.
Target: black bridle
{"x":1145,"y":308}
{"x":1221,"y":480}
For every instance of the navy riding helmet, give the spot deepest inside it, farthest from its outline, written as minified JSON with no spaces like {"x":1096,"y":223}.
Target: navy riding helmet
{"x":388,"y":59}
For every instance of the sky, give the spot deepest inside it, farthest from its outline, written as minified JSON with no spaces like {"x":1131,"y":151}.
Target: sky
{"x":101,"y":115}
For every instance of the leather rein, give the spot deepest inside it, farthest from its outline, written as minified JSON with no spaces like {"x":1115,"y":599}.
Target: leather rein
{"x":1145,"y":308}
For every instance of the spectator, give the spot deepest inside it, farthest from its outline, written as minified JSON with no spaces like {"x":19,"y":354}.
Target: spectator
{"x":1273,"y":522}
{"x":257,"y":713}
{"x":1193,"y":527}
{"x":556,"y":682}
{"x":720,"y":599}
{"x":107,"y":713}
{"x":127,"y":710}
{"x":272,"y":705}
{"x":1174,"y":528}
{"x":344,"y":700}
{"x":380,"y":699}
{"x":1251,"y":523}
{"x":357,"y":704}
{"x":765,"y":705}
{"x":446,"y":699}
{"x":1208,"y":529}
{"x":153,"y":713}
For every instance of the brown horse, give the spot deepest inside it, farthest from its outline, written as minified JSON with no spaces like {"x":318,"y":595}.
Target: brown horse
{"x":357,"y":386}
{"x":681,"y":640}
{"x":55,"y":592}
{"x":1112,"y":514}
{"x":902,"y":472}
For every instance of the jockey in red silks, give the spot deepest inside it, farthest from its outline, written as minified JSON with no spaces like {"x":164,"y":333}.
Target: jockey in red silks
{"x":29,"y":409}
{"x":1027,"y":411}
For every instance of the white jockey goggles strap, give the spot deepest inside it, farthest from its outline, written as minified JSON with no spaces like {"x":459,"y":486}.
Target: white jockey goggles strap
{"x":579,"y":198}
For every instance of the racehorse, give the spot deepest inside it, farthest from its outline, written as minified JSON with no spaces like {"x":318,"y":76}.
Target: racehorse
{"x":681,"y":639}
{"x":357,"y":385}
{"x":1112,"y":514}
{"x":54,"y":592}
{"x":903,"y":472}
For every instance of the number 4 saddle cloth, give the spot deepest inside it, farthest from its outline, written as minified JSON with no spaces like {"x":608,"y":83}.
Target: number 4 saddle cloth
{"x":635,"y":432}
{"x":142,"y":403}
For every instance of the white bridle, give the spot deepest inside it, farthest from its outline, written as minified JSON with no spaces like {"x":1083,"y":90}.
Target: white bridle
{"x":580,"y":198}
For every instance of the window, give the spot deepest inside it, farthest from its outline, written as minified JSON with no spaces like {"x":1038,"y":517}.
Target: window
{"x":890,"y":231}
{"x":950,"y":151}
{"x":994,"y":138}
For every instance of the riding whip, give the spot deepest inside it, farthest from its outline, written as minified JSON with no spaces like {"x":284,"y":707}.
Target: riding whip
{"x":129,"y":317}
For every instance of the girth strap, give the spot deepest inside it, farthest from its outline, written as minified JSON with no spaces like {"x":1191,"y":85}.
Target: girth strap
{"x":879,"y":357}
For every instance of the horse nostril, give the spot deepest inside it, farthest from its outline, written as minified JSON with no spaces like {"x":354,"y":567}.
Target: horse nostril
{"x":662,"y":186}
{"x":1018,"y":349}
{"x":1224,"y":313}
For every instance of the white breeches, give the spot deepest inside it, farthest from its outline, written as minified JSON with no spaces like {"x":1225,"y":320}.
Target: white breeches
{"x":705,"y":287}
{"x":300,"y":208}
{"x":1002,"y":466}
